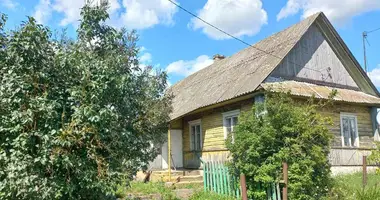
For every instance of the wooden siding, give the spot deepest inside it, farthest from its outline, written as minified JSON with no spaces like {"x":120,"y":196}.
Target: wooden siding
{"x":313,"y":60}
{"x":213,"y":143}
{"x":363,"y":118}
{"x":347,"y":156}
{"x":176,"y":124}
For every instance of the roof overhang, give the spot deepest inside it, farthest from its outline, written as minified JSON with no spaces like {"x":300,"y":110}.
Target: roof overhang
{"x":307,"y":90}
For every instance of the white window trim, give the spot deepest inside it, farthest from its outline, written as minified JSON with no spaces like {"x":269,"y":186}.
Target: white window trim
{"x":193,"y":123}
{"x":343,"y":114}
{"x":231,"y":113}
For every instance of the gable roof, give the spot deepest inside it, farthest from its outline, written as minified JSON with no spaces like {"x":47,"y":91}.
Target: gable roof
{"x":242,"y":72}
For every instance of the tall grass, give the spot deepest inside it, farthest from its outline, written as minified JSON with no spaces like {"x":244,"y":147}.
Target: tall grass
{"x":349,"y":187}
{"x":140,"y":188}
{"x":202,"y":195}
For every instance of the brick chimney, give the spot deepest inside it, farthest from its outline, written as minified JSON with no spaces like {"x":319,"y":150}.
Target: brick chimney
{"x":218,"y":57}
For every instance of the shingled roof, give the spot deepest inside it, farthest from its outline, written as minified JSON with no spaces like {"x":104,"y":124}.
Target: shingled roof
{"x":238,"y":74}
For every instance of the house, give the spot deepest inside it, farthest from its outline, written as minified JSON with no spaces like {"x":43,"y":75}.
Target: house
{"x":308,"y":58}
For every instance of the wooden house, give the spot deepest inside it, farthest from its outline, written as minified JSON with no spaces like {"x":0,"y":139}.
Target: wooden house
{"x":308,"y":58}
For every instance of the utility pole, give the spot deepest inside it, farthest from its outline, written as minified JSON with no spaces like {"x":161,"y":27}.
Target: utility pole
{"x":365,"y":35}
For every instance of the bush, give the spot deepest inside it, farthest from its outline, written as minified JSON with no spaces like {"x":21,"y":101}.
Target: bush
{"x":283,"y":130}
{"x":374,"y":158}
{"x":76,"y":117}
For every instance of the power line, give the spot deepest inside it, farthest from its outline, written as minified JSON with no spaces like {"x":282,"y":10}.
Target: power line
{"x":373,"y":30}
{"x":236,"y":38}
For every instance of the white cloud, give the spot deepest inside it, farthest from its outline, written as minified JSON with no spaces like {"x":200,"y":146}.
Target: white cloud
{"x":10,"y":4}
{"x":70,"y":9}
{"x":187,"y":67}
{"x":146,"y":58}
{"x":141,"y":14}
{"x":339,"y":12}
{"x":374,"y":75}
{"x":43,"y":11}
{"x":237,"y":17}
{"x":133,"y":14}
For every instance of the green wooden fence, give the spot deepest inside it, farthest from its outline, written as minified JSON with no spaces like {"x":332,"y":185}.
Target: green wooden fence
{"x":217,"y":178}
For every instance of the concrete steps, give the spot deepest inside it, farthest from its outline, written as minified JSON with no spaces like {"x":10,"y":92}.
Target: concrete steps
{"x":193,"y":178}
{"x":189,"y":184}
{"x":179,"y":178}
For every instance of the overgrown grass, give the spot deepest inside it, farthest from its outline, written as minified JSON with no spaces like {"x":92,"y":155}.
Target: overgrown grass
{"x":349,"y":187}
{"x":202,"y":195}
{"x":139,"y":188}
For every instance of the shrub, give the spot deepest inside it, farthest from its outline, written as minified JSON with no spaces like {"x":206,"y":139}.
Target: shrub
{"x":280,"y":130}
{"x":374,"y":158}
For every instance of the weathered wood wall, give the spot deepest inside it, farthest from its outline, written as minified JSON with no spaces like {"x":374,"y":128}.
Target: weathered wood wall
{"x":347,"y":156}
{"x":313,"y":60}
{"x":214,"y":143}
{"x":364,"y":123}
{"x":212,"y":134}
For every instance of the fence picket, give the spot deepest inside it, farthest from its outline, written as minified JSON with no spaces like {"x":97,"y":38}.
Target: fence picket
{"x":205,"y":176}
{"x":228,"y":184}
{"x":218,"y":179}
{"x":225,"y":171}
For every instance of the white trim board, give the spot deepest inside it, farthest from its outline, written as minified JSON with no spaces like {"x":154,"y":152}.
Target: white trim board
{"x":194,"y":123}
{"x":228,"y":114}
{"x":354,"y":115}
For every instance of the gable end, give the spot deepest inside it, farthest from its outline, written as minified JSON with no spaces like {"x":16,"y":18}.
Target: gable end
{"x":313,"y":60}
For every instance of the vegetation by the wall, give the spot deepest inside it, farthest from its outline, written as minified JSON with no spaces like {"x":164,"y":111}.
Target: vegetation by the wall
{"x":283,"y":130}
{"x":349,"y":187}
{"x":76,"y":116}
{"x":374,"y":158}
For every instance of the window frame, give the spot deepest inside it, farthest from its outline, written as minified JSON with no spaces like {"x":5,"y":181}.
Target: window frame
{"x":196,"y":123}
{"x":232,"y":113}
{"x":357,"y":141}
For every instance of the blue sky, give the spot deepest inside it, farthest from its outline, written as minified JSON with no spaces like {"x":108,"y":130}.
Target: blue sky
{"x":175,"y":41}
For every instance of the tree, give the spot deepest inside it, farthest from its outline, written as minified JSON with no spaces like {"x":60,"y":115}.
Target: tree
{"x":279,"y":130}
{"x":77,"y":118}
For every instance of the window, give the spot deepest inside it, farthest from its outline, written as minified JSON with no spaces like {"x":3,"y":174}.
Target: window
{"x":259,"y":98}
{"x":195,"y":131}
{"x":349,"y":130}
{"x":230,"y":120}
{"x":260,"y":105}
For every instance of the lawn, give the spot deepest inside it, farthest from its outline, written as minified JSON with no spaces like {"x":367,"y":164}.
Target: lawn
{"x":350,"y":187}
{"x":345,"y":187}
{"x":154,"y":190}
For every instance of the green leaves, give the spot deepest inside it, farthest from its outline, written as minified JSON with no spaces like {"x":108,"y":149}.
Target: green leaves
{"x":76,"y":117}
{"x":288,"y":131}
{"x":374,"y":158}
